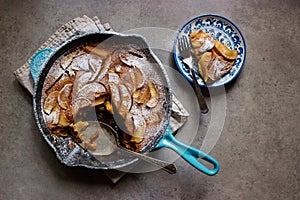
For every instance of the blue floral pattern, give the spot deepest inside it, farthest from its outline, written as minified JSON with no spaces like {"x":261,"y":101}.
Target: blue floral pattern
{"x":221,"y":29}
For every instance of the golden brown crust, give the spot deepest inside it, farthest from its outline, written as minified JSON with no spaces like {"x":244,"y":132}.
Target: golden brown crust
{"x":113,"y":85}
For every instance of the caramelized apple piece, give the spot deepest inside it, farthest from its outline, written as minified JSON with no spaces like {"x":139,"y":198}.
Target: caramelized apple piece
{"x":145,"y":95}
{"x":129,"y":146}
{"x":139,"y":129}
{"x":196,"y":44}
{"x":115,"y":95}
{"x":64,"y":96}
{"x":136,"y":94}
{"x":128,"y":79}
{"x":92,"y":91}
{"x":108,"y":107}
{"x":63,"y":120}
{"x":95,"y":62}
{"x":61,"y":132}
{"x":79,"y":103}
{"x":69,"y":112}
{"x":128,"y":121}
{"x":113,"y":78}
{"x":194,"y":35}
{"x":50,"y":102}
{"x":81,"y":63}
{"x":98,"y":50}
{"x":126,"y":101}
{"x":124,"y":59}
{"x":57,"y":83}
{"x":105,"y":67}
{"x":218,"y":68}
{"x":202,"y":41}
{"x":203,"y":64}
{"x":119,"y":69}
{"x":129,"y":59}
{"x":79,"y":126}
{"x":52,"y":119}
{"x":153,"y":95}
{"x":82,"y":78}
{"x":139,"y":78}
{"x":224,"y":51}
{"x":98,"y":101}
{"x":66,"y":61}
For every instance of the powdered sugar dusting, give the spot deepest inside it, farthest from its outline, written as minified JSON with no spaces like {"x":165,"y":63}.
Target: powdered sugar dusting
{"x":207,"y":44}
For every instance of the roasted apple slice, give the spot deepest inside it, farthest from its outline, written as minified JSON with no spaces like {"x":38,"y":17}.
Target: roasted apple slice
{"x":201,"y":41}
{"x":108,"y":106}
{"x":64,"y":96}
{"x":218,"y":68}
{"x":51,"y":102}
{"x":60,"y":132}
{"x":128,"y":79}
{"x":95,"y":62}
{"x":139,"y":129}
{"x":153,"y":95}
{"x":224,"y":51}
{"x":129,"y":59}
{"x":69,"y":112}
{"x":63,"y":120}
{"x":126,"y":101}
{"x":98,"y":50}
{"x":79,"y":126}
{"x":66,"y":61}
{"x":79,"y":103}
{"x":113,"y":78}
{"x":119,"y":69}
{"x":115,"y":95}
{"x":139,"y":78}
{"x":52,"y":119}
{"x":105,"y":67}
{"x":128,"y":121}
{"x":91,"y":91}
{"x":81,"y":63}
{"x":203,"y":64}
{"x":136,"y":94}
{"x":81,"y":79}
{"x":57,"y":83}
{"x":144,"y":95}
{"x":98,"y":101}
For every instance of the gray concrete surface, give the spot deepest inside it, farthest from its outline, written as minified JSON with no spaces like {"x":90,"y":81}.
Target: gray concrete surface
{"x":259,"y":146}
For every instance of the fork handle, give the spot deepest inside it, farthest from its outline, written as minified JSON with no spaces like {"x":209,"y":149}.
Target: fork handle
{"x":201,"y":100}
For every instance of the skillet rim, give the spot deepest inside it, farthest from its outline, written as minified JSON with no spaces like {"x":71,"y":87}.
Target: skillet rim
{"x":38,"y":87}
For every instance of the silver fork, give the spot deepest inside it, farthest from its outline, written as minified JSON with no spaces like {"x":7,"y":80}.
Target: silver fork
{"x":184,"y":47}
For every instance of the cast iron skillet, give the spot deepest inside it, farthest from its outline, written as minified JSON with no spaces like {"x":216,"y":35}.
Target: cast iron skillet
{"x":71,"y":153}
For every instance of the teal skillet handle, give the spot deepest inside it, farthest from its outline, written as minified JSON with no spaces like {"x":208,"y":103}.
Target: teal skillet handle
{"x":188,"y":153}
{"x":38,"y":62}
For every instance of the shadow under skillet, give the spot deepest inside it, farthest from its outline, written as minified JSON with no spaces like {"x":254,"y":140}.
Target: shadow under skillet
{"x":24,"y":93}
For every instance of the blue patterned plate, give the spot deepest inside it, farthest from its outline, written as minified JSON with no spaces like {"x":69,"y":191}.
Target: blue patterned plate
{"x":221,"y":29}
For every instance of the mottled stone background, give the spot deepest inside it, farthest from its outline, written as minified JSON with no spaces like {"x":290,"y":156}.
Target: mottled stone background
{"x":259,"y":146}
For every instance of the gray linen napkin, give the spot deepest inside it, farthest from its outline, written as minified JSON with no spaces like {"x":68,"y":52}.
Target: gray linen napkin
{"x":69,"y":30}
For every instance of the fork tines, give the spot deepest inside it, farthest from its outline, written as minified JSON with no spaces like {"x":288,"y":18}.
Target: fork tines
{"x":184,"y":46}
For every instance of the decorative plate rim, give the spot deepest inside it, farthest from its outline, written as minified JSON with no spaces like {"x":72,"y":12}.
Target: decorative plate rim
{"x":225,"y":19}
